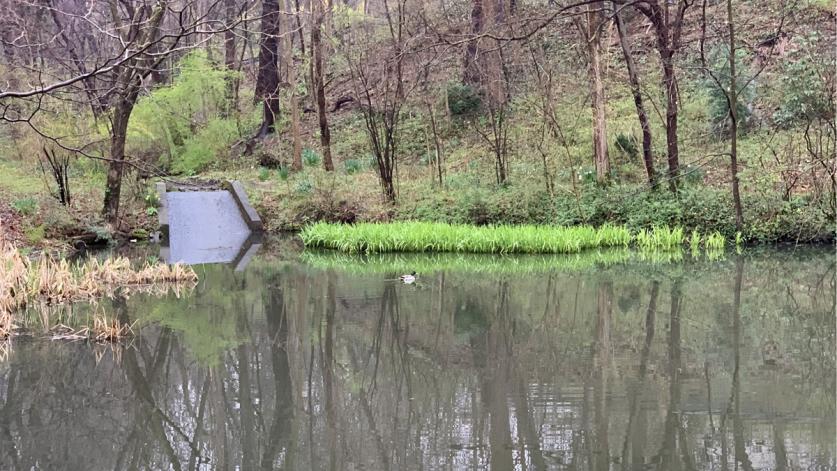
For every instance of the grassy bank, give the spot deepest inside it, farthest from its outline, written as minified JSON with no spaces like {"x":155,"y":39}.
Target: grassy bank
{"x":413,"y":236}
{"x":314,"y":195}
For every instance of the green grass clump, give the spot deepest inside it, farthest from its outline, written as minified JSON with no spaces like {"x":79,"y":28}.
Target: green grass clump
{"x":715,"y":242}
{"x":26,"y":206}
{"x":694,"y":242}
{"x":660,"y":238}
{"x":264,"y":174}
{"x":412,"y":236}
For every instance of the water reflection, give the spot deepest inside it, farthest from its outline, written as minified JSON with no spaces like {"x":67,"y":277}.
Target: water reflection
{"x":728,"y":365}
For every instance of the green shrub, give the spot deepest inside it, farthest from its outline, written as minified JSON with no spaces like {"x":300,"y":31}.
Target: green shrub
{"x":264,"y":174}
{"x":352,"y":166}
{"x":25,"y":206}
{"x":304,"y":187}
{"x":206,"y":146}
{"x":463,"y":99}
{"x":806,"y":96}
{"x":718,"y":104}
{"x":310,"y":157}
{"x":34,"y":235}
{"x":627,"y":144}
{"x":181,"y":124}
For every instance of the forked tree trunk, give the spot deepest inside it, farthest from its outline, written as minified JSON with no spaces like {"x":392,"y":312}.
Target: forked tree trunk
{"x":668,"y":27}
{"x":128,"y":82}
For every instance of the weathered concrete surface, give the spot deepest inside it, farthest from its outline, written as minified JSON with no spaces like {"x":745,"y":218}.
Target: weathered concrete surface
{"x":251,"y":217}
{"x":204,"y":227}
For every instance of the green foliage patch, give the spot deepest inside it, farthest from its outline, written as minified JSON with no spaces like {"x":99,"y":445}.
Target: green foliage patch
{"x":188,"y":125}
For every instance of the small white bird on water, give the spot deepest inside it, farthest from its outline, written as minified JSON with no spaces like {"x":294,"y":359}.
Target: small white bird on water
{"x":408,"y":279}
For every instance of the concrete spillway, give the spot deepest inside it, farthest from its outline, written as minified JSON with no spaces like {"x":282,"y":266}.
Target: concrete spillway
{"x":208,"y":226}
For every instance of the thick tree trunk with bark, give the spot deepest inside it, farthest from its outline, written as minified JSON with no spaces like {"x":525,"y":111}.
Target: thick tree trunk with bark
{"x":119,"y":130}
{"x":317,"y":79}
{"x":267,"y":81}
{"x":128,"y":83}
{"x":471,"y":75}
{"x":636,"y":91}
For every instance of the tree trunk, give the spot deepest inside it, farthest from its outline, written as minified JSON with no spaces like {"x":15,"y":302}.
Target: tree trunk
{"x":636,"y":91}
{"x":128,"y":83}
{"x":471,"y":75}
{"x":296,"y":138}
{"x":733,"y":123}
{"x":597,"y":95}
{"x":437,"y":143}
{"x":119,"y":131}
{"x":267,"y":81}
{"x":672,"y":146}
{"x":668,"y":31}
{"x":229,"y":55}
{"x":319,"y":83}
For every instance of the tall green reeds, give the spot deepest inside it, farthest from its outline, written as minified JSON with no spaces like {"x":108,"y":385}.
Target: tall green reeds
{"x":660,"y":238}
{"x":440,"y":237}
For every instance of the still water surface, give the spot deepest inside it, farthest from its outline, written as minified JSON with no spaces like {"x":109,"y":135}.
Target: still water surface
{"x":692,"y":365}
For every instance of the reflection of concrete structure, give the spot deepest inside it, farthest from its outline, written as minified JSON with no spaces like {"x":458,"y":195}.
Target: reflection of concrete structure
{"x":208,"y":224}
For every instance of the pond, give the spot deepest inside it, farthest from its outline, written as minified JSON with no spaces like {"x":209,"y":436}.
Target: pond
{"x":327,"y":362}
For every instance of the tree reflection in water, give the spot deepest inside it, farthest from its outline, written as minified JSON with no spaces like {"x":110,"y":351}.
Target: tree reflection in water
{"x":286,"y":367}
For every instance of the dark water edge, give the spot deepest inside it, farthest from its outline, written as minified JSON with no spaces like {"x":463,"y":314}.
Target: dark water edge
{"x":635,"y":365}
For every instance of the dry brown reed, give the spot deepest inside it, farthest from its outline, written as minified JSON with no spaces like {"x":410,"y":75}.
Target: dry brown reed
{"x":110,"y":329}
{"x":51,"y":281}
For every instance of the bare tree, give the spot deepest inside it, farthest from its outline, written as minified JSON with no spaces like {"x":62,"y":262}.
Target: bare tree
{"x":732,"y":98}
{"x":140,"y":33}
{"x":118,"y":47}
{"x":471,"y":74}
{"x":731,"y":89}
{"x":668,"y":29}
{"x":318,"y":13}
{"x":290,"y":59}
{"x":636,"y":91}
{"x":378,"y":80}
{"x":591,"y":27}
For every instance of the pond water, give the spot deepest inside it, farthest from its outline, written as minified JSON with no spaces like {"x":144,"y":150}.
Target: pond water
{"x":321,"y":362}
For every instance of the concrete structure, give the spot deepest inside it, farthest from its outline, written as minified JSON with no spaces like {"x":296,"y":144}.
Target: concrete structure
{"x":207,"y":223}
